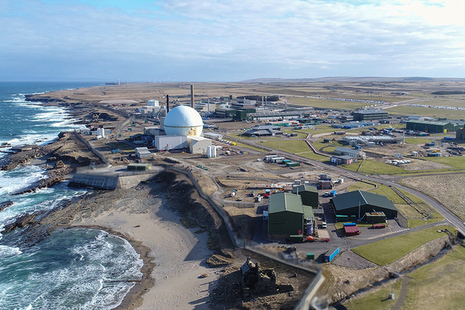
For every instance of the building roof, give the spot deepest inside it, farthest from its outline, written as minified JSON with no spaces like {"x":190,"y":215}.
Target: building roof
{"x":345,"y":150}
{"x":308,"y":212}
{"x":282,"y":202}
{"x":353,"y":199}
{"x":304,"y":188}
{"x":370,"y":112}
{"x":346,"y":157}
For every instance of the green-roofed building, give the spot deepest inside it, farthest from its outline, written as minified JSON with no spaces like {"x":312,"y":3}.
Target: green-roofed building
{"x":360,"y":202}
{"x":433,"y":127}
{"x":285,"y":215}
{"x":308,"y":193}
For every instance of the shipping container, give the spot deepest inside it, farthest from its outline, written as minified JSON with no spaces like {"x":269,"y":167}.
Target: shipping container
{"x":329,"y":256}
{"x":311,"y":256}
{"x":351,"y":230}
{"x":349,"y":224}
{"x":293,"y":164}
{"x":378,"y":226}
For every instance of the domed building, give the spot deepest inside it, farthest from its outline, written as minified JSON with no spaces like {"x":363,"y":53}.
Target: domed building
{"x":183,"y":121}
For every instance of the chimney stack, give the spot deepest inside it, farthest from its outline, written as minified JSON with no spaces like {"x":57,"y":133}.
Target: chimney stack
{"x":167,"y":103}
{"x":192,"y":96}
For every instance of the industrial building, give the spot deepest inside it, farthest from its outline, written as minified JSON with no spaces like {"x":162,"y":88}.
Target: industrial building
{"x":369,"y":115}
{"x":265,"y":130}
{"x":369,"y":140}
{"x":460,"y":134}
{"x":435,"y":127}
{"x":142,"y":152}
{"x":198,"y":145}
{"x":167,"y":143}
{"x":343,"y":160}
{"x":350,"y":152}
{"x":355,"y":204}
{"x":288,"y":217}
{"x":308,"y":194}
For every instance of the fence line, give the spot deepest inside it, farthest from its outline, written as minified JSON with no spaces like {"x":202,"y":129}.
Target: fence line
{"x":91,"y":148}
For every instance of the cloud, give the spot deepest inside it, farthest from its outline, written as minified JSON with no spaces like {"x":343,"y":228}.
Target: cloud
{"x":292,"y":37}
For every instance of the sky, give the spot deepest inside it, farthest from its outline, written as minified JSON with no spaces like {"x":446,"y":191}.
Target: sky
{"x":229,"y":41}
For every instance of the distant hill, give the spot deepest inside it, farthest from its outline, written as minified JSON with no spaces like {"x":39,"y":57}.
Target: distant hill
{"x":335,"y":79}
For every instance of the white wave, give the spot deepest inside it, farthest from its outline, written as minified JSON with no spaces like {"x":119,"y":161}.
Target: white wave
{"x":20,"y":177}
{"x":6,"y":251}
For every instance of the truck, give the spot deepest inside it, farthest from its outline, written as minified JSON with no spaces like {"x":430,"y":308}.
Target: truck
{"x":329,"y":256}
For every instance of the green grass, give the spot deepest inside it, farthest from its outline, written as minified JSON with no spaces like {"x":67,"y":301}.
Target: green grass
{"x":291,"y":146}
{"x":242,"y":145}
{"x":456,"y":162}
{"x":375,"y":167}
{"x":386,"y":251}
{"x":438,"y":285}
{"x":314,"y":156}
{"x":377,"y":300}
{"x":418,"y":140}
{"x":362,"y":186}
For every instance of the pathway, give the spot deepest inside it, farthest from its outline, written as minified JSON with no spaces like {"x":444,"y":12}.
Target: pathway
{"x":403,"y":294}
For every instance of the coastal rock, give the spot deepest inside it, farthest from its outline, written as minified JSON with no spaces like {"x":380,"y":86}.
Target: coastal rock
{"x":5,"y":204}
{"x":21,"y":222}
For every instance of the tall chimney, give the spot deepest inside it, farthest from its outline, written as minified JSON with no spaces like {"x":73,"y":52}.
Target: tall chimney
{"x":192,"y":96}
{"x":167,"y":103}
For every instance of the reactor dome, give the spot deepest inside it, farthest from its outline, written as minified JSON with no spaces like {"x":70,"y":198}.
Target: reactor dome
{"x":183,"y":121}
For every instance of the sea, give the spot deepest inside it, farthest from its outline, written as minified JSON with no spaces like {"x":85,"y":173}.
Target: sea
{"x":74,"y":268}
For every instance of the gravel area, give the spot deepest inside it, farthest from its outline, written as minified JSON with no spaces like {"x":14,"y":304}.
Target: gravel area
{"x":349,"y":259}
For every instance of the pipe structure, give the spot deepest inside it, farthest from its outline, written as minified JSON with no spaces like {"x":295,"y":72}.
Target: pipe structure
{"x":167,"y":103}
{"x":192,"y":96}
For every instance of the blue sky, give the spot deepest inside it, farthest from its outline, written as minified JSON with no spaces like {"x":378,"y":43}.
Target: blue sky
{"x":216,"y":40}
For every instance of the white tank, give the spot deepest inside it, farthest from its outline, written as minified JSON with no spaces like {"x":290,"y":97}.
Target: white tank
{"x":183,"y":121}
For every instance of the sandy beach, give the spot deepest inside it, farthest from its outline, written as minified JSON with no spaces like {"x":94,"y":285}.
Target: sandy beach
{"x":174,"y":256}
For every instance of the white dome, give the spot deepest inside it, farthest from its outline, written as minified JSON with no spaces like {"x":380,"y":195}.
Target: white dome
{"x":183,"y":121}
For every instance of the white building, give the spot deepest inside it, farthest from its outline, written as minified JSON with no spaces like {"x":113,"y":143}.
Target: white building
{"x":166,"y":143}
{"x":198,"y":145}
{"x":153,"y":103}
{"x":351,"y":152}
{"x":143,"y":152}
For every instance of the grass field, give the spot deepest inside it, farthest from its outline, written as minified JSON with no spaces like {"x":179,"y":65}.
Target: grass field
{"x":362,"y":186}
{"x":386,"y":251}
{"x":288,"y":145}
{"x":377,"y":300}
{"x":374,"y":167}
{"x":436,"y":113}
{"x":439,"y":285}
{"x":456,"y":162}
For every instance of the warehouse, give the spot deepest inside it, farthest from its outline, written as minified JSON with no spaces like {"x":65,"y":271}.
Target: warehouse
{"x":360,"y":202}
{"x":309,"y":194}
{"x":436,"y":127}
{"x":286,"y":215}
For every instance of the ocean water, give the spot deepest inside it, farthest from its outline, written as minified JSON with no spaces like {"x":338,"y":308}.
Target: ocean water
{"x":72,"y":268}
